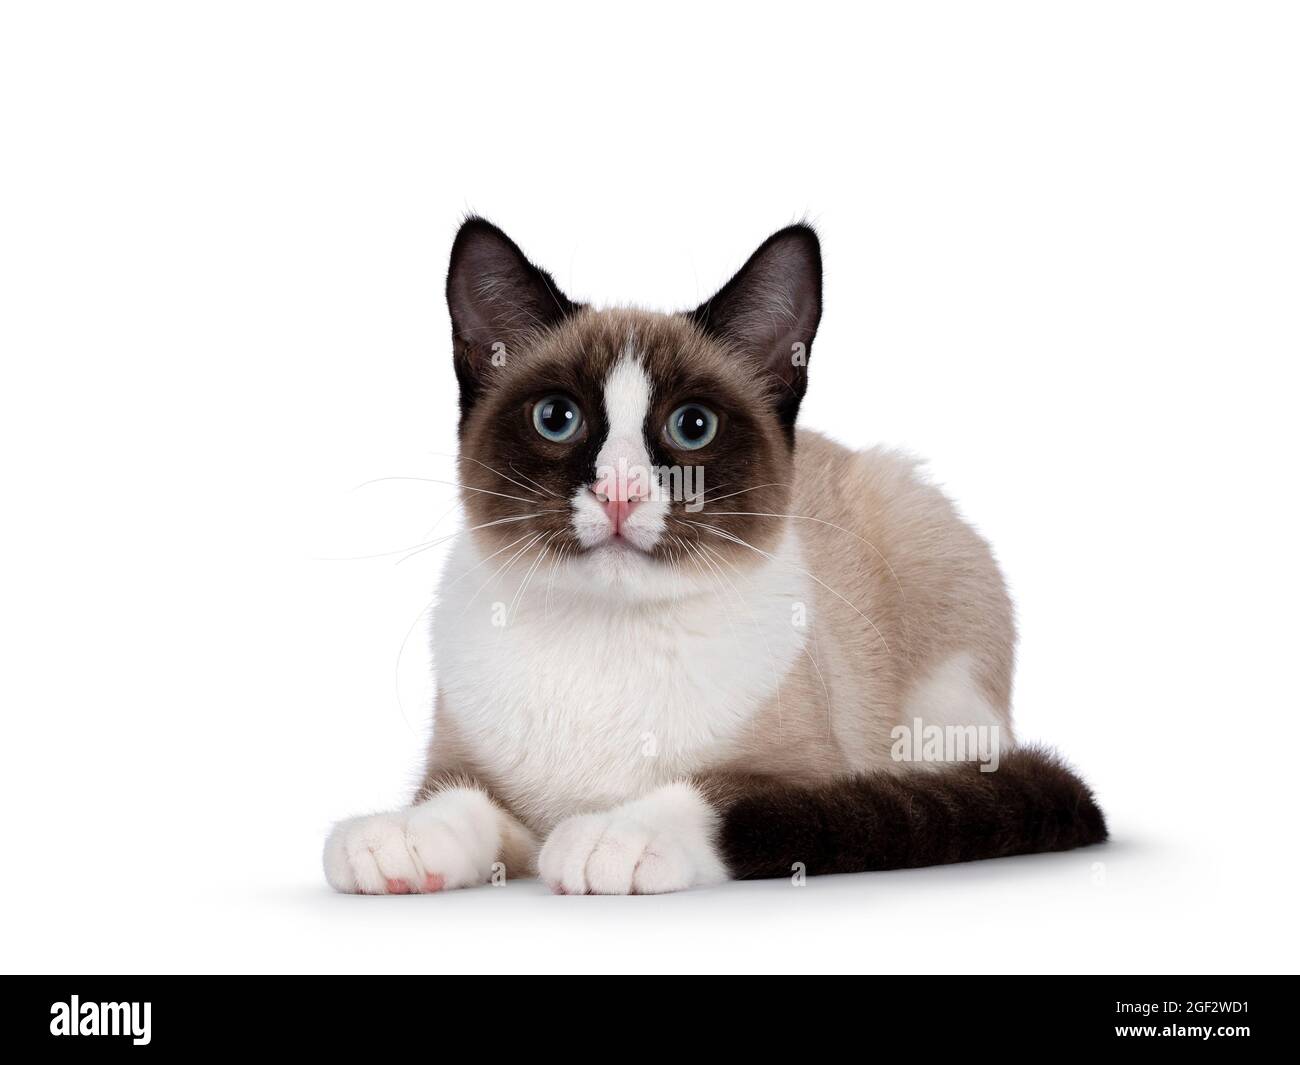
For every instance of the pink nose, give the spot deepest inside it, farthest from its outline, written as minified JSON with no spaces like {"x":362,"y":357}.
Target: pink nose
{"x":617,"y":510}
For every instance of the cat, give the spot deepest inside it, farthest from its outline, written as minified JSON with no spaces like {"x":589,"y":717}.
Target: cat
{"x":648,"y":681}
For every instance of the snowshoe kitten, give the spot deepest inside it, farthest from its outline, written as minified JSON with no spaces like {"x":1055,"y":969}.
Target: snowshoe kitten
{"x":686,"y":639}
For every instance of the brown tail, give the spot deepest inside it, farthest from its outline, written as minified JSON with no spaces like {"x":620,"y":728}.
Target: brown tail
{"x":887,"y":820}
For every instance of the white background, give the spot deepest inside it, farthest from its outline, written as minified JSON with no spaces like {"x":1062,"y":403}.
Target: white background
{"x":1061,"y":247}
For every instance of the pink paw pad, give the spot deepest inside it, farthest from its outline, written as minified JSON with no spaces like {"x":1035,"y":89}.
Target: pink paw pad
{"x":433,"y":882}
{"x":398,"y":887}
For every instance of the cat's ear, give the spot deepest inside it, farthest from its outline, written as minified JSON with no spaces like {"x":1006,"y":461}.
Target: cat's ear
{"x":770,"y":310}
{"x":497,"y":299}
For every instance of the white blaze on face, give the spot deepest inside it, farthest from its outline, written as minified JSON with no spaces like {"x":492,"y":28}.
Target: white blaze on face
{"x":623,"y":465}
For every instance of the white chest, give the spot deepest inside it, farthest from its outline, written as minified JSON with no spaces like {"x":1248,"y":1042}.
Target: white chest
{"x":569,"y":702}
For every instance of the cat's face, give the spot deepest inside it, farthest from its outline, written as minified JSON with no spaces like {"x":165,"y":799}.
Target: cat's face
{"x":647,"y":455}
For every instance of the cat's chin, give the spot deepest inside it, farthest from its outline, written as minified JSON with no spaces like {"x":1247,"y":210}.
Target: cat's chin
{"x":618,"y":571}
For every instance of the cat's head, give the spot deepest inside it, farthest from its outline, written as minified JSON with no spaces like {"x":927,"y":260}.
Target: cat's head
{"x":644,"y":453}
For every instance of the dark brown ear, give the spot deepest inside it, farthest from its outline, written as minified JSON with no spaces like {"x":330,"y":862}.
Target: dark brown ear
{"x":497,"y":299}
{"x":770,"y":310}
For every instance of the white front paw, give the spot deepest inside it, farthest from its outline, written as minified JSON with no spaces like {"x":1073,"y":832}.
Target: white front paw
{"x":450,"y":841}
{"x":661,"y":843}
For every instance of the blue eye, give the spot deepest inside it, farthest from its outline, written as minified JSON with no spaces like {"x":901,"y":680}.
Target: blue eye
{"x":691,"y":426}
{"x":557,"y":418}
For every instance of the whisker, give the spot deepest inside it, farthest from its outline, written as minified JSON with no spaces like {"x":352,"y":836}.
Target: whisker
{"x":462,"y":532}
{"x":417,"y":548}
{"x":754,"y":488}
{"x":482,"y":561}
{"x":712,"y":488}
{"x":767,"y":646}
{"x":505,"y":566}
{"x":531,"y":481}
{"x":442,"y":517}
{"x":803,"y":644}
{"x":696,"y":556}
{"x":528,"y":578}
{"x":560,"y":556}
{"x":812,"y":576}
{"x":397,"y":665}
{"x":809,"y":517}
{"x":491,"y":469}
{"x":453,"y":484}
{"x":500,"y":474}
